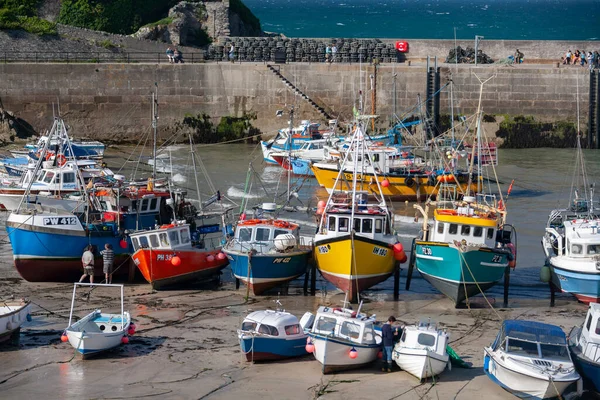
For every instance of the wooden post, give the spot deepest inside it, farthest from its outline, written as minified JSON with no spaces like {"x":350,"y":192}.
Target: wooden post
{"x":313,"y":277}
{"x":506,"y":285}
{"x":397,"y":282}
{"x":306,"y":276}
{"x":411,"y":263}
{"x":131,"y":274}
{"x":237,"y":283}
{"x":552,"y":294}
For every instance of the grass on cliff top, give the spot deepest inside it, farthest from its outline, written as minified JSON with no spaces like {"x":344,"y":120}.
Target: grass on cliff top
{"x":35,"y":25}
{"x":164,"y":21}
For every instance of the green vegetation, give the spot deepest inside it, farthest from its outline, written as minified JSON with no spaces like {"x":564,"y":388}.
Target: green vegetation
{"x":229,"y":128}
{"x":525,"y":132}
{"x":115,"y":16}
{"x":164,"y":21}
{"x":107,"y":44}
{"x":20,"y":14}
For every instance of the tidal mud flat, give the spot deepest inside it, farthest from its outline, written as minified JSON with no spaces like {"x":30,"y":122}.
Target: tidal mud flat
{"x":186,"y":346}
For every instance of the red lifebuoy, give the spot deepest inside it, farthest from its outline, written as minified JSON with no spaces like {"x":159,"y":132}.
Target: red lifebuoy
{"x":61,"y":160}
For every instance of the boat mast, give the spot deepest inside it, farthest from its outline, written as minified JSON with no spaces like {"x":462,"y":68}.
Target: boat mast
{"x":290,"y":141}
{"x":194,"y":166}
{"x":154,"y":127}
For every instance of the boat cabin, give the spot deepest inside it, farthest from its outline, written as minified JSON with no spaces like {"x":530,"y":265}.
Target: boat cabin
{"x":345,"y":324}
{"x":425,"y":336}
{"x":167,"y":237}
{"x":589,"y":341}
{"x":533,"y":340}
{"x":581,"y":239}
{"x":135,"y":210}
{"x":265,"y":235}
{"x":54,"y":178}
{"x":273,"y":323}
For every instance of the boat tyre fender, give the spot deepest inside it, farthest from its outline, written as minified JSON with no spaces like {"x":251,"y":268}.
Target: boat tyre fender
{"x":409,"y":182}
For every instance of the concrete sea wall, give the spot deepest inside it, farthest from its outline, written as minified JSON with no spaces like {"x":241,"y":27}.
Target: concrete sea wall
{"x":112,"y":101}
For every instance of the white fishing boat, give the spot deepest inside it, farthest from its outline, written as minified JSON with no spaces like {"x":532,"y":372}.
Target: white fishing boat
{"x":531,"y":360}
{"x":98,"y":331}
{"x":584,"y":344}
{"x":421,"y":350}
{"x":343,"y":339}
{"x":12,"y":315}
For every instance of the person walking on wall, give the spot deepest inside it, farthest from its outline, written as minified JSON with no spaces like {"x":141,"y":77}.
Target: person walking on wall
{"x":87,"y":260}
{"x":327,"y":53}
{"x":387,"y":334}
{"x":108,"y":259}
{"x":232,"y":53}
{"x":333,"y":53}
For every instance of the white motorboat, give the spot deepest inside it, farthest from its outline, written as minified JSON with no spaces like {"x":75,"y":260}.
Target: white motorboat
{"x":531,"y":360}
{"x":343,"y":339}
{"x":421,"y":350}
{"x":98,"y":331}
{"x":584,"y":344}
{"x":12,"y":315}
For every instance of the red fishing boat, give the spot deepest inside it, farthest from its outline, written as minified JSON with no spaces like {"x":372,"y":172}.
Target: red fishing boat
{"x":173,"y":254}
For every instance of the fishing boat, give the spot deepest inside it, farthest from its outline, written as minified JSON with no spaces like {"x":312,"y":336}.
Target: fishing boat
{"x":272,"y":335}
{"x":265,"y":253}
{"x":466,"y":246}
{"x":343,"y":339}
{"x":531,"y":360}
{"x":291,"y":138}
{"x":78,"y":149}
{"x":571,"y":239}
{"x":98,"y":331}
{"x":12,"y":316}
{"x":167,"y":256}
{"x":421,"y":350}
{"x":584,"y":344}
{"x":354,"y":244}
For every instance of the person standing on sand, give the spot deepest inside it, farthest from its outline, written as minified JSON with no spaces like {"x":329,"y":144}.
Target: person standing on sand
{"x":87,"y":260}
{"x":108,"y":259}
{"x":387,"y":334}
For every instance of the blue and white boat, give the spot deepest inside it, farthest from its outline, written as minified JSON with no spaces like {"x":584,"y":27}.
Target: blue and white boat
{"x":81,"y":148}
{"x":98,"y":331}
{"x":531,"y":360}
{"x":584,"y":344}
{"x":272,"y":335}
{"x":265,"y":253}
{"x":291,"y":139}
{"x":571,"y":240}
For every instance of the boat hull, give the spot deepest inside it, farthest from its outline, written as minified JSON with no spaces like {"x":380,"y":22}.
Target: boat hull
{"x":460,"y":274}
{"x":333,"y":354}
{"x":420,"y":363}
{"x":301,"y":167}
{"x":158,"y":270}
{"x":11,"y":319}
{"x":91,"y":343}
{"x":54,"y":255}
{"x":587,"y":368}
{"x":10,"y":202}
{"x":268,"y":270}
{"x":371,"y":263}
{"x":522,"y":385}
{"x":585,"y":286}
{"x":409,"y":187}
{"x":260,"y":348}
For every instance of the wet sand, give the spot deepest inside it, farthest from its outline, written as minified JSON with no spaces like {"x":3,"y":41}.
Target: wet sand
{"x":186,"y":346}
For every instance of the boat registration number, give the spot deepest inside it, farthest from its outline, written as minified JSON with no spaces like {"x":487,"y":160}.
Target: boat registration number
{"x":60,"y":221}
{"x":380,"y":251}
{"x":282,"y":260}
{"x":323,"y":249}
{"x":497,"y":258}
{"x":426,"y":251}
{"x":164,"y":257}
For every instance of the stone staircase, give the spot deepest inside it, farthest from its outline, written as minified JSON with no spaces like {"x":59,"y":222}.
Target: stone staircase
{"x":297,"y":91}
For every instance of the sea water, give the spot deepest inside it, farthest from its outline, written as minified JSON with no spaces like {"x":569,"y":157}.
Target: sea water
{"x":431,"y":19}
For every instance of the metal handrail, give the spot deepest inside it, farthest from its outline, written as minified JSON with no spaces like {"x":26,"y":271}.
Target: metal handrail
{"x":95,"y":57}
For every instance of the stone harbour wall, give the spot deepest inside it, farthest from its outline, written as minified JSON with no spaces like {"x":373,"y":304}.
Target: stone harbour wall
{"x":112,"y":101}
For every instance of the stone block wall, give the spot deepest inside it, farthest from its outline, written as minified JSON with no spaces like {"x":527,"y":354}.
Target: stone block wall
{"x":112,"y":101}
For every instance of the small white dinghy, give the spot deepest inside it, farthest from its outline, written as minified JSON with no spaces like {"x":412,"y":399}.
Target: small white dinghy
{"x":12,"y":315}
{"x":531,"y":360}
{"x":98,"y":331}
{"x":421,"y":350}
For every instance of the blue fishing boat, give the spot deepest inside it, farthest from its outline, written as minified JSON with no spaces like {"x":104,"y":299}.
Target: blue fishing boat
{"x":265,"y":253}
{"x":584,"y":345}
{"x":272,"y":335}
{"x":301,"y":166}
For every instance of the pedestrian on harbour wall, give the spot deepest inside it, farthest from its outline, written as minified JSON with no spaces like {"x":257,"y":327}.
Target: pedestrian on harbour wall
{"x":583,"y":57}
{"x":177,"y":56}
{"x":327,"y":53}
{"x":333,"y":53}
{"x":518,"y":57}
{"x":388,"y":333}
{"x":108,"y":259}
{"x":87,"y":260}
{"x":170,"y":54}
{"x":568,"y":57}
{"x":232,"y":53}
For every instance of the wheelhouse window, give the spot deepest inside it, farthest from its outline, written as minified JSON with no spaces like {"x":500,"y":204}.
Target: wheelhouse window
{"x":357,"y":224}
{"x":245,"y":234}
{"x":593,"y":249}
{"x":440,"y":227}
{"x":326,"y":324}
{"x":144,"y":205}
{"x":164,"y":240}
{"x":522,"y":347}
{"x":68,"y":177}
{"x":554,"y":351}
{"x":367,"y":225}
{"x":490,"y":233}
{"x":292,"y":329}
{"x":268,"y":330}
{"x":453,"y":229}
{"x":153,"y":203}
{"x":262,"y":234}
{"x":48,"y":177}
{"x":143,"y":241}
{"x":378,"y":225}
{"x":465,"y":230}
{"x":174,"y":238}
{"x":576,"y":249}
{"x":154,"y":241}
{"x":597,"y":326}
{"x":477,"y":231}
{"x":331,"y":224}
{"x":350,"y":329}
{"x":278,"y":232}
{"x":344,"y":222}
{"x":249,"y":326}
{"x":185,"y":236}
{"x":425,"y":339}
{"x":136,"y":244}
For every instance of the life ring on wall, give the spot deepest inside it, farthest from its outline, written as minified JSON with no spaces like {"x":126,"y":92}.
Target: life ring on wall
{"x":409,"y":182}
{"x":61,"y":160}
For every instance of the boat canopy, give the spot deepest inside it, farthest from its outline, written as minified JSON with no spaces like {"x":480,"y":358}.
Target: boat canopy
{"x":272,"y":323}
{"x":533,"y":332}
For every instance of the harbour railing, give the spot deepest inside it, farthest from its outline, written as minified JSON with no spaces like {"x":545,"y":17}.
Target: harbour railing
{"x":94,"y":57}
